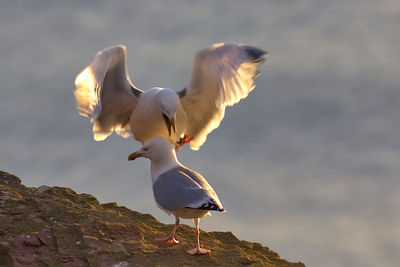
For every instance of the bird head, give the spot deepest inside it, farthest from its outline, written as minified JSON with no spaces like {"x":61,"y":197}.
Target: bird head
{"x":169,"y":103}
{"x":156,"y":149}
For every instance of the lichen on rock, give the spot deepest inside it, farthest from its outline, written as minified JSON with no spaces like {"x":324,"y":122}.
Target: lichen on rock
{"x":55,"y":226}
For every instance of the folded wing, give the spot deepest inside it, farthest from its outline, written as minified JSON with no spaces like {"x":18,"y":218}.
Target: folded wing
{"x":105,"y":94}
{"x":181,"y":188}
{"x":222,"y":75}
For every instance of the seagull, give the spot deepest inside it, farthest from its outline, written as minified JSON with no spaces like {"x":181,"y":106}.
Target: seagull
{"x":222,"y":75}
{"x":177,"y":189}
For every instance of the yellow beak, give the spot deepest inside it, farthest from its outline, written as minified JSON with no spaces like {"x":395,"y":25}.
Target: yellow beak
{"x":134,"y":156}
{"x":170,"y":123}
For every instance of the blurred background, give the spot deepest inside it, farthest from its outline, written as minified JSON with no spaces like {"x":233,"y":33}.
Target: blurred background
{"x":307,"y":164}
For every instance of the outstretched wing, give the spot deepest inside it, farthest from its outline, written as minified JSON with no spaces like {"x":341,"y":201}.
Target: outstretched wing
{"x":105,"y":94}
{"x":222,"y":75}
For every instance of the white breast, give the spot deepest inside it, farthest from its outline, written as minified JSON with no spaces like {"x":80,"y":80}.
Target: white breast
{"x":147,"y":121}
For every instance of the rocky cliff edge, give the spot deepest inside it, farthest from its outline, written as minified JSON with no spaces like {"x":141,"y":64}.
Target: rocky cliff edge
{"x":54,"y":226}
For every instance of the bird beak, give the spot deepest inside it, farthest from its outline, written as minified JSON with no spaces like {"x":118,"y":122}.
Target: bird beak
{"x":134,"y":155}
{"x":170,"y":123}
{"x":173,"y":124}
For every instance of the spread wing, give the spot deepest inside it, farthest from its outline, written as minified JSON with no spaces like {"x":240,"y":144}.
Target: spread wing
{"x":222,"y":75}
{"x":105,"y":94}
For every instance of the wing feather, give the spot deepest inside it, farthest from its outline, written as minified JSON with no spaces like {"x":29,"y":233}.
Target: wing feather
{"x":222,"y":75}
{"x":181,"y":188}
{"x":105,"y":94}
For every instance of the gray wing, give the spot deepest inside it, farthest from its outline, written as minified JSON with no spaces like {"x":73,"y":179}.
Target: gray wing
{"x":222,"y":75}
{"x":183,"y":188}
{"x":104,"y":93}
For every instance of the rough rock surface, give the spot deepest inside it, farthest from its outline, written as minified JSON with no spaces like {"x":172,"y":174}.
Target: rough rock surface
{"x":54,"y":226}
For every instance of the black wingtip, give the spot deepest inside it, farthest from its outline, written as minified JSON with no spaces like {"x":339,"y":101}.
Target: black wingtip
{"x":223,"y":210}
{"x":210,"y":205}
{"x":256,"y":54}
{"x":182,"y":93}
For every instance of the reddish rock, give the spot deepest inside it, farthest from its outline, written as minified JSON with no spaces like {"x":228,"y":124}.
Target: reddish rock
{"x":32,"y":241}
{"x":45,"y":236}
{"x":96,"y":243}
{"x":55,"y":226}
{"x":7,"y":178}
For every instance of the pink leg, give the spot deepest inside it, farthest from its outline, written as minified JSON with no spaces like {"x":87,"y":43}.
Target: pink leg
{"x":171,"y":238}
{"x":183,"y":140}
{"x":197,"y":250}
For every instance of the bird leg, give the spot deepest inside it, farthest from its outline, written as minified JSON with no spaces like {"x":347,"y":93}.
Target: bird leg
{"x":171,"y":238}
{"x":183,"y":140}
{"x":197,"y":250}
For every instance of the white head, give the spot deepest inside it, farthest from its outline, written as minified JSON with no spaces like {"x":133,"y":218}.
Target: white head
{"x":169,"y":102}
{"x":156,"y":149}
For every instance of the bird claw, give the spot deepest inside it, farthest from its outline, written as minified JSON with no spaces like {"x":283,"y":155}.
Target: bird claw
{"x":198,"y":251}
{"x":183,"y":140}
{"x":169,"y":240}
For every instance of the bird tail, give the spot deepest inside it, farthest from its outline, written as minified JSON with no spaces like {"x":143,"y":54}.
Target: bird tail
{"x":211,"y":204}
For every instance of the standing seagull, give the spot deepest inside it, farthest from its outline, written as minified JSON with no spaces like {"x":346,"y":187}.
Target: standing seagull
{"x":178,"y":189}
{"x":222,"y":75}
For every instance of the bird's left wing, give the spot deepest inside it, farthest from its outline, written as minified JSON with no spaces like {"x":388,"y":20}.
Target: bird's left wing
{"x":222,"y":75}
{"x":104,"y":93}
{"x":181,"y":188}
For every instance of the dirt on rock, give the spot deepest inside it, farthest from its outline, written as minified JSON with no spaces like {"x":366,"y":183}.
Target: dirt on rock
{"x":54,"y":226}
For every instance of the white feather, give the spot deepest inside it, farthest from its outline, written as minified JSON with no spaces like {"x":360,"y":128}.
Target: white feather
{"x":103,"y":93}
{"x":222,"y":75}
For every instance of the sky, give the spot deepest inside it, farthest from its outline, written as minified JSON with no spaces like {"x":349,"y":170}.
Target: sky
{"x":307,"y":164}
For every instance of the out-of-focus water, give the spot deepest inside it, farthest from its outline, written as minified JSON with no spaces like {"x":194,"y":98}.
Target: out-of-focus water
{"x":307,"y":165}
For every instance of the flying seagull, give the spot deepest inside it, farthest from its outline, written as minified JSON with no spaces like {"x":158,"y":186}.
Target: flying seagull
{"x":177,"y":189}
{"x":222,"y":75}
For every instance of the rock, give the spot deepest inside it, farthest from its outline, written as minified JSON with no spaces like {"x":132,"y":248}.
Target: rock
{"x":96,"y":243}
{"x":55,"y":226}
{"x":121,"y":264}
{"x":40,"y":190}
{"x":32,"y":241}
{"x":119,"y":247}
{"x":5,"y":255}
{"x":46,"y":237}
{"x":6,"y":178}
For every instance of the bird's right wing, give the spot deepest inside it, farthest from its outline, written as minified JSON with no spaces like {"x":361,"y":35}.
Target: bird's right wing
{"x":105,"y":94}
{"x":222,"y":75}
